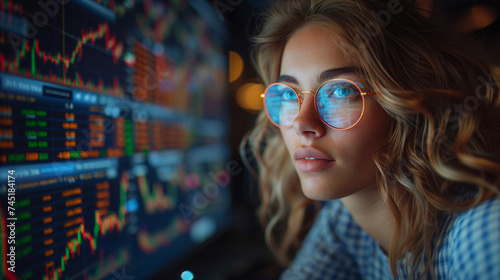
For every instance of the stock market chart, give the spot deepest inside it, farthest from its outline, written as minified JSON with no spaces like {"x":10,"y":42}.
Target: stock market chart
{"x":113,"y":136}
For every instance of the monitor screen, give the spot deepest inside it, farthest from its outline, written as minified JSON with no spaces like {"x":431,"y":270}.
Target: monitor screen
{"x":114,"y":156}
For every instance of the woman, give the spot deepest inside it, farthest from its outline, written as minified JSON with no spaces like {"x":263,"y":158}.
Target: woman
{"x":379,"y":114}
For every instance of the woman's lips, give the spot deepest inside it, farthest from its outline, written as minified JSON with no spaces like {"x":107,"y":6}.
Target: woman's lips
{"x":313,"y":165}
{"x":311,"y":160}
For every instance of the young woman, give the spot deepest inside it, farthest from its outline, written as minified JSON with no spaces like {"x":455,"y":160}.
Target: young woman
{"x":394,"y":126}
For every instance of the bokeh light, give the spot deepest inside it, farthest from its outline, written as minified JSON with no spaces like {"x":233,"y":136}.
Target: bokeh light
{"x":192,"y":181}
{"x":187,"y":275}
{"x":235,"y":66}
{"x":477,"y":17}
{"x":483,"y":16}
{"x":248,"y":96}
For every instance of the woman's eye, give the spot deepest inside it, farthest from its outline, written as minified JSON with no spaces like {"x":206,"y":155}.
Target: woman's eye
{"x":343,"y":92}
{"x":289,"y":95}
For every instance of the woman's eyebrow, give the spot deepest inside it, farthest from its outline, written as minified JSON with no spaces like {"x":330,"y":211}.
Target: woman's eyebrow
{"x":287,"y":79}
{"x":325,"y":75}
{"x":336,"y":72}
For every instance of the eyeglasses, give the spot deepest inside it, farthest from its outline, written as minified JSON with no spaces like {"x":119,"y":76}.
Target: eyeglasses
{"x":340,"y":103}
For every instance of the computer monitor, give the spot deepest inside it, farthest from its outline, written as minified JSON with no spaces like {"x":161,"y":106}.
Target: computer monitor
{"x":114,"y":156}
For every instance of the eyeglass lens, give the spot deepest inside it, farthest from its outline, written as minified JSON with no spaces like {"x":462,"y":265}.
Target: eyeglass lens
{"x":339,"y":104}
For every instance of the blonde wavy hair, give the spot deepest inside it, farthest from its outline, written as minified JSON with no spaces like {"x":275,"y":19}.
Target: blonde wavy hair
{"x":445,"y":123}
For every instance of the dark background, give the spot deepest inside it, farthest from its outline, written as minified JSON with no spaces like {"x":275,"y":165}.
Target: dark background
{"x":240,"y":253}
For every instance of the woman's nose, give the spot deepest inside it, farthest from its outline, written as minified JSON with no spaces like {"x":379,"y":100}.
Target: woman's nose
{"x":308,"y":123}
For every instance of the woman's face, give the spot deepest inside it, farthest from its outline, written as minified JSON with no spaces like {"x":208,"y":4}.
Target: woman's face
{"x":330,"y":163}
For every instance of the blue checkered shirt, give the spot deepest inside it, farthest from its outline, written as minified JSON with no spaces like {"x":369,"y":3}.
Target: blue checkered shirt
{"x":337,"y":248}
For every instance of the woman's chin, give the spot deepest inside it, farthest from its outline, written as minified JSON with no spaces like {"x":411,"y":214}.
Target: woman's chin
{"x":317,"y":190}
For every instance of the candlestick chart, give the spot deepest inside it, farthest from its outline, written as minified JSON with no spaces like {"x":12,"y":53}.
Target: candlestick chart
{"x":60,"y":53}
{"x":111,"y":134}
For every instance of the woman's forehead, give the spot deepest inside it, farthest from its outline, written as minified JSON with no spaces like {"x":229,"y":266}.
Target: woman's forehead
{"x":313,"y":53}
